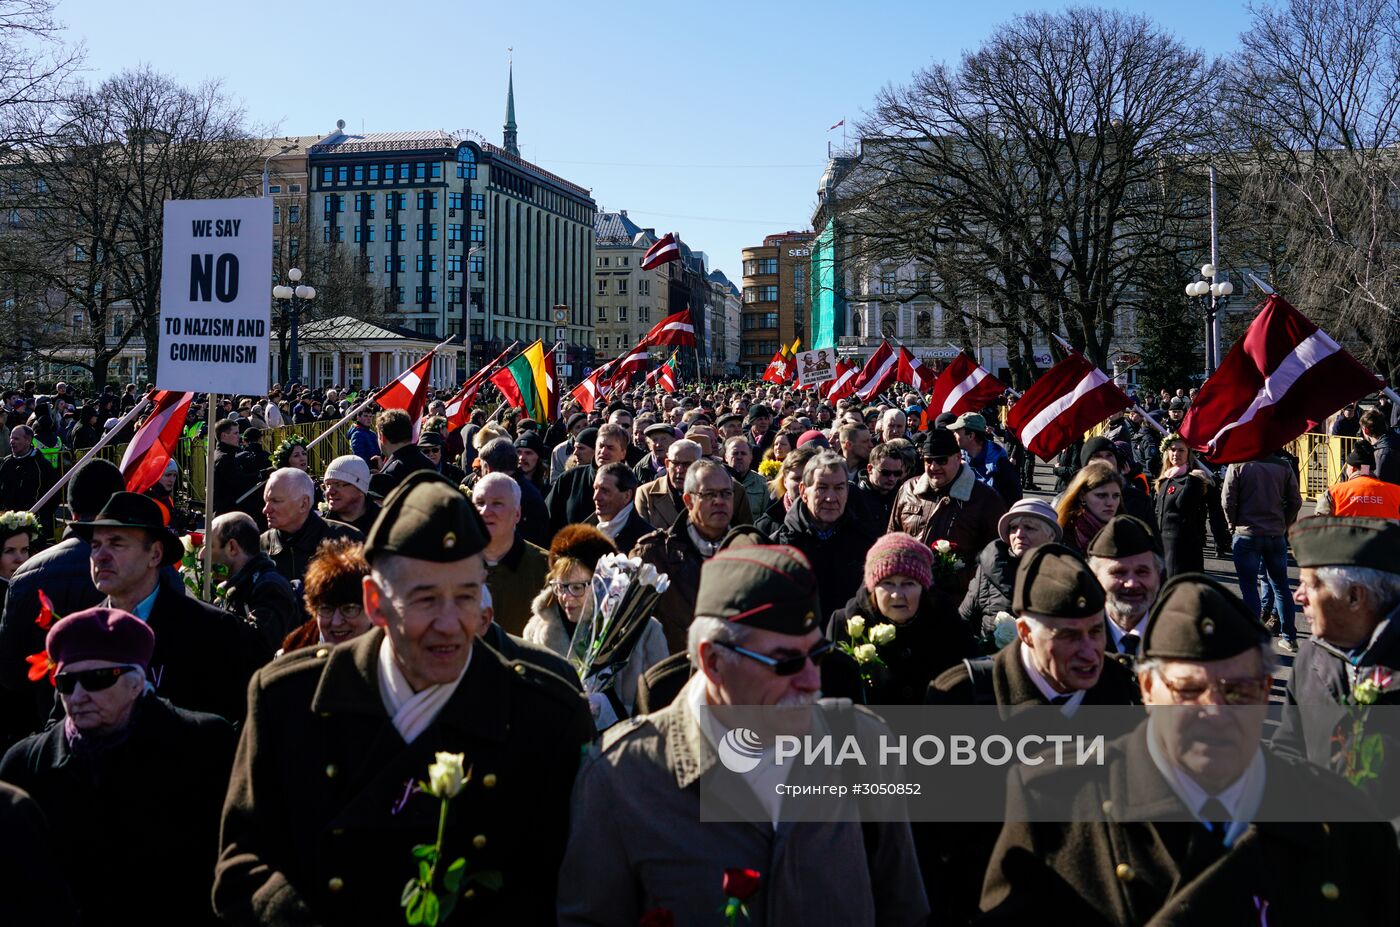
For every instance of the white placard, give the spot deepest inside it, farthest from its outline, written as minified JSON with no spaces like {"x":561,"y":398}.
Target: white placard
{"x":215,"y":296}
{"x":816,"y":366}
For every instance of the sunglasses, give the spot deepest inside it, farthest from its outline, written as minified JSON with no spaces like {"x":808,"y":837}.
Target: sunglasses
{"x":94,"y":680}
{"x":784,"y":666}
{"x":938,"y":461}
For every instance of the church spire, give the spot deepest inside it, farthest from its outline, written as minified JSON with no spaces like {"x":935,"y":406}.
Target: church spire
{"x":508,"y":141}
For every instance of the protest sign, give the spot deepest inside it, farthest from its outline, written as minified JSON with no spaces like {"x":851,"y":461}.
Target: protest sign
{"x":816,"y":366}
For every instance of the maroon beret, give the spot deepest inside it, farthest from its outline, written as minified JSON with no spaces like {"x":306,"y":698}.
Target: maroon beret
{"x":101,"y":634}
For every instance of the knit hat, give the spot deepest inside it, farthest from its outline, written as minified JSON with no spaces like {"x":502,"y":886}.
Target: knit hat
{"x":95,"y":482}
{"x":1095,"y":445}
{"x":902,"y":554}
{"x":813,"y":436}
{"x":351,"y":469}
{"x":530,"y":441}
{"x":108,"y":634}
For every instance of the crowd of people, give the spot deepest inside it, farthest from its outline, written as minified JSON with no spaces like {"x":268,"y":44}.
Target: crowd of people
{"x":260,"y":759}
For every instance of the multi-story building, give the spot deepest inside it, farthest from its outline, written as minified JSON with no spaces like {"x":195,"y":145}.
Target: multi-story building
{"x":462,"y":236}
{"x":776,"y":294}
{"x":626,"y":299}
{"x":722,"y":323}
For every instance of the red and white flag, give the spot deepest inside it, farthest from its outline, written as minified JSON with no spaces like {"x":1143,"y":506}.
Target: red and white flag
{"x":633,"y":362}
{"x":410,"y":390}
{"x":154,"y":442}
{"x":666,"y":377}
{"x":963,"y":386}
{"x":1283,"y":375}
{"x":837,"y":126}
{"x":667,"y":248}
{"x":878,"y":372}
{"x":1068,"y":399}
{"x":676,"y":330}
{"x":588,"y":392}
{"x":551,"y":384}
{"x":459,"y":407}
{"x":841,"y":385}
{"x":912,"y":372}
{"x":776,"y":371}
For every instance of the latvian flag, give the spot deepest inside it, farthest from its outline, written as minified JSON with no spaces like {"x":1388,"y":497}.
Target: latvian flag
{"x":676,"y":330}
{"x":912,"y":372}
{"x":843,"y":384}
{"x":154,"y":442}
{"x":963,"y":386}
{"x":409,"y":391}
{"x":878,"y":372}
{"x":1067,"y":400}
{"x":667,"y":248}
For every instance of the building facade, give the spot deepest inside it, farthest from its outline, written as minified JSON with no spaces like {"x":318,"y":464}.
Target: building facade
{"x":627,"y":301}
{"x":776,"y":297}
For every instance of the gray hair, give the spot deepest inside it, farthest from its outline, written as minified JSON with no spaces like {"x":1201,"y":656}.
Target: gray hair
{"x":697,"y":472}
{"x":298,"y":481}
{"x":684,"y":444}
{"x":494,"y":479}
{"x":824,"y":461}
{"x":1382,"y":587}
{"x":712,"y":630}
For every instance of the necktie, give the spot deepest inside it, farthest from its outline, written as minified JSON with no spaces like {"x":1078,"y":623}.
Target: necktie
{"x":1061,"y":700}
{"x":1128,"y":644}
{"x":1216,"y":817}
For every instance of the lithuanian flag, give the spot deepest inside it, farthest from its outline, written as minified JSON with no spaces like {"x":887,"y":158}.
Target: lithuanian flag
{"x":524,"y":383}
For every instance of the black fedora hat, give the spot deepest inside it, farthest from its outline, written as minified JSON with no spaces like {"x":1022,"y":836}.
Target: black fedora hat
{"x":133,"y":510}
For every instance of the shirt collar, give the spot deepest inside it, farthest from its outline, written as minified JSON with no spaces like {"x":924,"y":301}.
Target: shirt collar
{"x":1047,"y":690}
{"x":1118,"y":633}
{"x":143,"y":608}
{"x":1241,"y":798}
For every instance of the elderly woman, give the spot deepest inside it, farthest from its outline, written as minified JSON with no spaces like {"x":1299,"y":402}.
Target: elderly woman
{"x":333,"y":590}
{"x":1028,"y":524}
{"x":914,"y":635}
{"x":134,"y":825}
{"x":1093,"y":496}
{"x":1183,"y":505}
{"x":566,"y":603}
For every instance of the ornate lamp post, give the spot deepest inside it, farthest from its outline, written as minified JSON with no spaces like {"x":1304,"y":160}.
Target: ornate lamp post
{"x":294,"y":296}
{"x":1214,"y":297}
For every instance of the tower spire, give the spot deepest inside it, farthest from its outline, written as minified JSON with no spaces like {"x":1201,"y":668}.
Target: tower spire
{"x":509,"y":141}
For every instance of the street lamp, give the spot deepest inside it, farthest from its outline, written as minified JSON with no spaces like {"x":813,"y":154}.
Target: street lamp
{"x":466,"y":306}
{"x":1214,"y":297}
{"x":294,"y":296}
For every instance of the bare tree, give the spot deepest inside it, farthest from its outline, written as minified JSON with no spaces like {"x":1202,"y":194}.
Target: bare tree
{"x":1036,"y":186}
{"x":1316,"y":94}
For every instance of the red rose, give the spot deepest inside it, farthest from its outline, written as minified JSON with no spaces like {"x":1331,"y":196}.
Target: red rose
{"x":741,"y":883}
{"x":197,"y":538}
{"x":657,"y":917}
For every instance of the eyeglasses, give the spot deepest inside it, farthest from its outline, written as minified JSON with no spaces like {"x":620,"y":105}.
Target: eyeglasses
{"x":784,"y":666}
{"x":892,"y":474}
{"x":572,"y":590}
{"x":1229,"y":691}
{"x":938,"y":461}
{"x":710,"y":495}
{"x":93,"y":680}
{"x":349,"y":611}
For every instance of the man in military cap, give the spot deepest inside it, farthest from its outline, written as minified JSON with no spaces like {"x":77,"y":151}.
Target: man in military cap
{"x":638,"y":843}
{"x":1188,"y":818}
{"x":322,"y":814}
{"x":1349,"y":590}
{"x":1057,"y":657}
{"x":1126,"y":558}
{"x":659,"y":437}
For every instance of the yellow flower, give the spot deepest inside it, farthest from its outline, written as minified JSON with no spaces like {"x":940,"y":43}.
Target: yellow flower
{"x":865,"y":653}
{"x":855,"y":626}
{"x":445,"y":777}
{"x":882,"y":634}
{"x":769,"y":468}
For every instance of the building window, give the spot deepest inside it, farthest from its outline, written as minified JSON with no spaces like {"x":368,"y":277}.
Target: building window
{"x":454,"y":263}
{"x":359,"y":173}
{"x":454,"y":296}
{"x":643,"y":287}
{"x":603,"y":262}
{"x":857,"y":323}
{"x":425,"y":295}
{"x":624,"y":261}
{"x":622,"y":313}
{"x":477,"y":265}
{"x":276,"y":215}
{"x":602,"y":313}
{"x":889,"y":323}
{"x":622,"y":287}
{"x":274,"y":188}
{"x":799,"y":286}
{"x":437,"y":170}
{"x":326,"y":175}
{"x":394,"y":262}
{"x":430,"y":264}
{"x":479,"y":202}
{"x":887,"y":283}
{"x":602,"y":286}
{"x":644,"y":314}
{"x":368,"y":233}
{"x":342,"y":174}
{"x":454,"y":231}
{"x":326,"y":232}
{"x":454,"y":201}
{"x":466,"y":163}
{"x":293,"y":248}
{"x":603,"y":343}
{"x":427,"y":199}
{"x":374,"y":173}
{"x":478,"y":233}
{"x":293,"y":215}
{"x":923,"y":325}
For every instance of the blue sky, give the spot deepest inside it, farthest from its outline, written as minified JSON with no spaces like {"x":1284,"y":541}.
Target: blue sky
{"x":707,"y":118}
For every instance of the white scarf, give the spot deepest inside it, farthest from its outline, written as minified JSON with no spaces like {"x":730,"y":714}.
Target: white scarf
{"x":613,"y":525}
{"x":412,"y":712}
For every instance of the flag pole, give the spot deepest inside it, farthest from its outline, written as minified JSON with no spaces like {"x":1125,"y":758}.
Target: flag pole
{"x":379,"y":392}
{"x":207,"y":551}
{"x":101,"y":443}
{"x":1150,"y":420}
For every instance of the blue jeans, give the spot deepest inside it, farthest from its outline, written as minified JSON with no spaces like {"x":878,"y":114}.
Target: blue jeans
{"x":1271,"y":553}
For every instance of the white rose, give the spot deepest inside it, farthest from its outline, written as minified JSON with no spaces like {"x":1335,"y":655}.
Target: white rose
{"x":865,"y":653}
{"x":882,"y":634}
{"x":189,"y":544}
{"x":855,"y":626}
{"x":445,"y":777}
{"x":943,"y":546}
{"x":1005,"y":630}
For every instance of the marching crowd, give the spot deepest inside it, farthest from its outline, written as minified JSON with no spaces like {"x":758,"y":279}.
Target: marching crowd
{"x":426,"y":593}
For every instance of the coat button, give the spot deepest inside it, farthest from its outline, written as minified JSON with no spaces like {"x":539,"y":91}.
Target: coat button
{"x":488,"y":781}
{"x":479,"y":841}
{"x":1330,"y":891}
{"x":1107,"y":808}
{"x":335,"y":883}
{"x":337,"y":832}
{"x":331,"y":771}
{"x":322,"y":651}
{"x":520,"y":669}
{"x":1124,"y":872}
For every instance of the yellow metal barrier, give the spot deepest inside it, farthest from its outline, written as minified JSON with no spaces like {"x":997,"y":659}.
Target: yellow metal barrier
{"x":1321,"y":459}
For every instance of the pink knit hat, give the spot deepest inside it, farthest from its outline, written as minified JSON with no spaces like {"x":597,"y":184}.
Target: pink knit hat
{"x":902,"y":554}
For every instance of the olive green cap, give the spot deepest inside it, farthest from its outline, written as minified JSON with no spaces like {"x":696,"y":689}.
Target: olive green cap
{"x":427,"y":518}
{"x":771,"y":587}
{"x":1332,"y":540}
{"x":1124,"y":536}
{"x":1198,"y":618}
{"x":1054,"y":582}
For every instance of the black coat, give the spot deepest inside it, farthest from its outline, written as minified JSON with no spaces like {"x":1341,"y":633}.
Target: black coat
{"x":263,"y":597}
{"x":231,"y":482}
{"x":1182,"y":510}
{"x":991,"y":588}
{"x":534,"y":516}
{"x":407,"y":459}
{"x":23,"y":480}
{"x":934,"y":640}
{"x":33,"y":887}
{"x":139,"y":820}
{"x":292,"y":552}
{"x":570,"y":502}
{"x":631,"y":532}
{"x":319,"y":827}
{"x":838,"y":560}
{"x":1012,"y":685}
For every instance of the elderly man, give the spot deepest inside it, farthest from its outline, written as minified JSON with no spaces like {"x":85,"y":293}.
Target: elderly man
{"x":570,"y":501}
{"x":25,"y":474}
{"x":707,"y":512}
{"x":893,"y":424}
{"x":947,"y":503}
{"x":1057,"y":656}
{"x":321,"y":817}
{"x":1349,"y":590}
{"x":107,"y":772}
{"x":346,"y":486}
{"x":659,"y":437}
{"x":1181,"y":822}
{"x":204,"y":656}
{"x":738,"y":459}
{"x":987,"y":459}
{"x":401,"y":455}
{"x":256,"y":591}
{"x":499,"y":455}
{"x":614,"y":488}
{"x":659,"y":502}
{"x":515,"y":568}
{"x":294,"y":528}
{"x":832,"y":537}
{"x":756,"y":640}
{"x":433,"y":446}
{"x":1126,"y":558}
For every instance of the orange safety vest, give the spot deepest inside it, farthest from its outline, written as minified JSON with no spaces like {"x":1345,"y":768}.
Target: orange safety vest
{"x":1366,"y":496}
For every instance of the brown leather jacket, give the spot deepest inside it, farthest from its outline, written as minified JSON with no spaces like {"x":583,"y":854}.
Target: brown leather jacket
{"x":966,"y":513}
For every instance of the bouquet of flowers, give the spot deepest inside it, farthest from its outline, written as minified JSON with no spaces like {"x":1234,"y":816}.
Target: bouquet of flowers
{"x":946,"y":562}
{"x":864,"y":645}
{"x":625,"y":590}
{"x":1361,"y":754}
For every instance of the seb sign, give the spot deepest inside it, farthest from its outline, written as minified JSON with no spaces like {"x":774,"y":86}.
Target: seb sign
{"x":799,"y":252}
